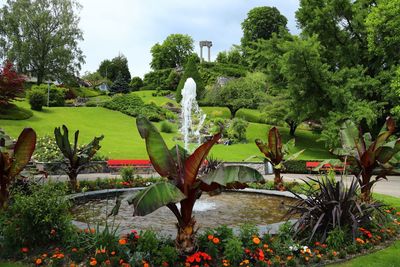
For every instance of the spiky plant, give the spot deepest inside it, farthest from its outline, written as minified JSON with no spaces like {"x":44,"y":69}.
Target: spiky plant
{"x":332,"y":205}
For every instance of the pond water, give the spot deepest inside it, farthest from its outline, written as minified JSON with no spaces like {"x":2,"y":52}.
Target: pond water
{"x":229,"y":208}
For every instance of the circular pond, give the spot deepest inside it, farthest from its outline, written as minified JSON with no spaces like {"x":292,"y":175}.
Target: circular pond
{"x":229,"y":208}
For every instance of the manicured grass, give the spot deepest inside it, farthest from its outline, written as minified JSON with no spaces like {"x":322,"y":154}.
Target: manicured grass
{"x":10,"y":264}
{"x":217,"y":112}
{"x":158,"y":100}
{"x":122,"y":140}
{"x":14,"y":112}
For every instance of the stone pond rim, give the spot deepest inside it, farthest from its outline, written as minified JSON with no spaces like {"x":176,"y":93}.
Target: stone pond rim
{"x":98,"y":194}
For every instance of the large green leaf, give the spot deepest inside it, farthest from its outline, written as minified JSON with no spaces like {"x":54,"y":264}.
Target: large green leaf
{"x":63,"y":141}
{"x":229,"y":175}
{"x":23,"y":151}
{"x":194,"y":161}
{"x":387,"y":151}
{"x":275,"y":145}
{"x":349,"y":135}
{"x":154,"y":197}
{"x":159,"y":154}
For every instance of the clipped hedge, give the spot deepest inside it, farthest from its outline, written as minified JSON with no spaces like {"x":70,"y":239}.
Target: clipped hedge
{"x":133,"y":105}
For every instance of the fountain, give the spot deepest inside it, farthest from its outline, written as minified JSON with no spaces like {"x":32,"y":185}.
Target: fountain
{"x":229,"y":208}
{"x":192,"y":116}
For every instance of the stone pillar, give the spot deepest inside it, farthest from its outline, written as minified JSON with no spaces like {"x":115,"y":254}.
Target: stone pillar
{"x":209,"y":53}
{"x":201,"y":52}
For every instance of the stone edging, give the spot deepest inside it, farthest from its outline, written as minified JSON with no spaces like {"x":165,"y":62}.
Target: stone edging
{"x":270,"y":228}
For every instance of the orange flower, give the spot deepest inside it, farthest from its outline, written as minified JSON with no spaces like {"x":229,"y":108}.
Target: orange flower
{"x":72,"y":264}
{"x":306,"y":258}
{"x":334,"y":253}
{"x":215,"y":240}
{"x":107,"y":262}
{"x":74,"y":250}
{"x":256,"y":240}
{"x":122,"y":241}
{"x":92,"y":230}
{"x":103,"y":250}
{"x":38,"y":261}
{"x":210,"y":237}
{"x":24,"y":250}
{"x":53,"y":232}
{"x":60,"y":256}
{"x":289,"y":257}
{"x":93,"y":262}
{"x":165,"y":264}
{"x":265,"y":246}
{"x":112,"y":253}
{"x":360,"y":241}
{"x":44,"y":255}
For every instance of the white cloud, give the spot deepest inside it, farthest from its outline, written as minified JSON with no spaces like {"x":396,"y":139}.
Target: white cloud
{"x":132,"y":27}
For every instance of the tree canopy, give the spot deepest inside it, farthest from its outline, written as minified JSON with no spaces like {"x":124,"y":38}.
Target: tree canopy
{"x":172,"y":53}
{"x":244,"y":92}
{"x":11,"y":84}
{"x":261,"y":23}
{"x":42,"y":37}
{"x":111,"y":68}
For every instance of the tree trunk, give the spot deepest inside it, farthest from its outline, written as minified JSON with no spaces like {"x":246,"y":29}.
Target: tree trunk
{"x":293,"y":126}
{"x":73,"y":181}
{"x":185,"y":237}
{"x":366,"y":193}
{"x":278,"y":181}
{"x":3,"y":196}
{"x":233,"y":112}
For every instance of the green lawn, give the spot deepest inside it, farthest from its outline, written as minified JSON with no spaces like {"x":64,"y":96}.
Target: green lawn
{"x":122,"y":140}
{"x":158,"y":100}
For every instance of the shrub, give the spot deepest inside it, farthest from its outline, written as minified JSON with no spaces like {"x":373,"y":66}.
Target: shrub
{"x":157,"y":78}
{"x":136,"y":83}
{"x":56,"y":94}
{"x":167,"y":127}
{"x":127,"y":174}
{"x":295,"y":166}
{"x":37,"y":99}
{"x":237,"y":130}
{"x":119,"y":85}
{"x":13,"y":112}
{"x":37,"y":219}
{"x":47,"y":150}
{"x":337,"y":238}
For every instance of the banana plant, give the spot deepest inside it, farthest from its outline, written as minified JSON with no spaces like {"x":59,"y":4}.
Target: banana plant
{"x":369,"y":156}
{"x":13,"y":159}
{"x":76,"y":159}
{"x":185,"y":183}
{"x":275,"y":152}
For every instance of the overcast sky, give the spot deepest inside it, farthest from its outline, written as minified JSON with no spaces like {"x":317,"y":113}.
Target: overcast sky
{"x":132,"y":27}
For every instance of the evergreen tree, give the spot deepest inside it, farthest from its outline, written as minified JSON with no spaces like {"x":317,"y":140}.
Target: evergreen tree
{"x":190,"y":71}
{"x":119,"y":85}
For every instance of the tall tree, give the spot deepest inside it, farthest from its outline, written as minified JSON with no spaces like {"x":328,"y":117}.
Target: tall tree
{"x":172,"y":53}
{"x":111,"y":68}
{"x":41,"y":37}
{"x":190,"y":71}
{"x":261,"y":23}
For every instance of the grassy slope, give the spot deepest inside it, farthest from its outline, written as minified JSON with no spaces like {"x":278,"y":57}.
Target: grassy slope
{"x":122,"y":139}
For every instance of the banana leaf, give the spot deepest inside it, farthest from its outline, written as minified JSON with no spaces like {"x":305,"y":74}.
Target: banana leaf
{"x":155,"y":197}
{"x":159,"y":154}
{"x":232,"y":175}
{"x":23,"y":151}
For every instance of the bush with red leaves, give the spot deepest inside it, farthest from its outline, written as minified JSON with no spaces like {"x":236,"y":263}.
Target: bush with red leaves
{"x":11,"y":84}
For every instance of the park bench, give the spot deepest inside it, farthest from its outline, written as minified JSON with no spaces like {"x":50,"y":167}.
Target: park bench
{"x":140,"y":165}
{"x":311,"y":165}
